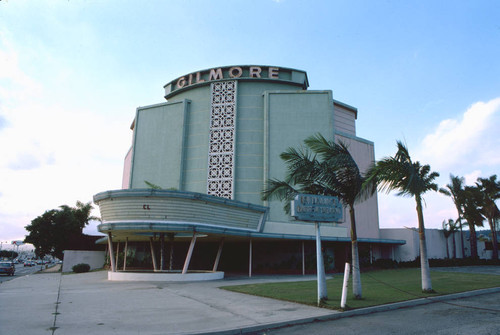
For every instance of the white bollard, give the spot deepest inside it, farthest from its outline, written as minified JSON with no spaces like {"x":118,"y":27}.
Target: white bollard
{"x":346,"y":284}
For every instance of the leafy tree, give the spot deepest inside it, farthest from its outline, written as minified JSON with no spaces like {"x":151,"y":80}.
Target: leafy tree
{"x":334,"y":174}
{"x":490,"y":188}
{"x":55,"y":230}
{"x":410,"y":179}
{"x":455,"y":190}
{"x":8,"y":254}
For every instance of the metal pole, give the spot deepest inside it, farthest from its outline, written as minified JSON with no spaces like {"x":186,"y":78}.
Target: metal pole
{"x":153,"y":256}
{"x":217,"y":258}
{"x":189,"y":254}
{"x":320,"y":267}
{"x":111,"y":253}
{"x":250,"y":259}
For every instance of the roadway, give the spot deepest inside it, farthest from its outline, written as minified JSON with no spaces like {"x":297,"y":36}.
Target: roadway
{"x":478,"y":315}
{"x":21,"y":270}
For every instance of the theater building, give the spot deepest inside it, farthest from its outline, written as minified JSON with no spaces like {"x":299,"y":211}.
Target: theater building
{"x":193,"y":177}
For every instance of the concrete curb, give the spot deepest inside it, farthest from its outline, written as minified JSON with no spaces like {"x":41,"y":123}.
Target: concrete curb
{"x":357,"y":312}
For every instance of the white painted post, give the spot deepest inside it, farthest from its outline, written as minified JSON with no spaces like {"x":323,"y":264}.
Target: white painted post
{"x":111,"y":253}
{"x":344,"y":286}
{"x":153,"y":256}
{"x":250,"y":259}
{"x":189,"y":254}
{"x":217,"y":258}
{"x":320,"y":267}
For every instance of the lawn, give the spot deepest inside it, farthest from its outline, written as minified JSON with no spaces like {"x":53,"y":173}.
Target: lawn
{"x":379,"y":287}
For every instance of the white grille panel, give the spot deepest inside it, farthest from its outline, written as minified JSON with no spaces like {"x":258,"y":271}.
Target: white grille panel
{"x":220,"y":180}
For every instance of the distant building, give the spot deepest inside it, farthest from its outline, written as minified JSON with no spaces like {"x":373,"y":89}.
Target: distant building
{"x":210,"y":148}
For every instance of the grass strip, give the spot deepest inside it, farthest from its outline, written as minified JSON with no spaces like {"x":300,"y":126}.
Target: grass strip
{"x":379,"y":287}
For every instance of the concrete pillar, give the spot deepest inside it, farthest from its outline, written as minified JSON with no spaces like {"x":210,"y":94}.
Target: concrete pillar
{"x":111,"y":254}
{"x":217,"y":258}
{"x":153,"y":256}
{"x":189,"y":254}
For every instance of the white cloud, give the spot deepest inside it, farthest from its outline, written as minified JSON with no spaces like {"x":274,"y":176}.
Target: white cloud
{"x":471,"y":138}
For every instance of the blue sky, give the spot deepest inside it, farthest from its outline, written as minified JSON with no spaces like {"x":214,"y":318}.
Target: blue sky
{"x":73,"y":72}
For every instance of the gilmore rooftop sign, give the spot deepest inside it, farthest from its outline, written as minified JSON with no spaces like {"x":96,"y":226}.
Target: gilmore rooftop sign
{"x":318,"y":208}
{"x":237,"y":72}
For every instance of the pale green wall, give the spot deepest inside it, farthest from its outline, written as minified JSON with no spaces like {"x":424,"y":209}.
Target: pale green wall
{"x":158,"y":142}
{"x":291,"y":118}
{"x":171,"y":140}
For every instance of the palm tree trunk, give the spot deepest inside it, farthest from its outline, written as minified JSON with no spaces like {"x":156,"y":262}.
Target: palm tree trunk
{"x":473,"y":240}
{"x":447,"y":250}
{"x":494,"y":241}
{"x":461,"y":236}
{"x":454,"y":246}
{"x":356,"y":275}
{"x":424,"y":262}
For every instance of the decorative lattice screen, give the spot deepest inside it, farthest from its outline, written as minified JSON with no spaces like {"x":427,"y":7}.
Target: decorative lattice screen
{"x":222,"y":139}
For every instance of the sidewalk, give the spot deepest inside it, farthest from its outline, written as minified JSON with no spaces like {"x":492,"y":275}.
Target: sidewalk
{"x":89,"y":304}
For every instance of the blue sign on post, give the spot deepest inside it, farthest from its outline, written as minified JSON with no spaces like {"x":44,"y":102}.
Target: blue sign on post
{"x":318,"y":208}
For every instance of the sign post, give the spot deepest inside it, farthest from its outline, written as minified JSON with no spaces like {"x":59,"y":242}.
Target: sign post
{"x":318,"y":208}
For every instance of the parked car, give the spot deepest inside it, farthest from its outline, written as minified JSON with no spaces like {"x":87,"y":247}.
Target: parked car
{"x":29,"y":263}
{"x":7,"y":268}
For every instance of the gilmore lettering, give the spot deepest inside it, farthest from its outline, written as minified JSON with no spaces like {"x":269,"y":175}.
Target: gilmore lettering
{"x":229,"y":73}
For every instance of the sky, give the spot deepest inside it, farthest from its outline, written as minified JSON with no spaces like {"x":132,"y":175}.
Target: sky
{"x":73,"y":72}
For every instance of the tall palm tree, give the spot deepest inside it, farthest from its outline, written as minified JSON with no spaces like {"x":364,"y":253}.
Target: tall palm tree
{"x":455,"y":190}
{"x":335,"y":174}
{"x":490,"y":189}
{"x":410,"y":179}
{"x":473,"y":199}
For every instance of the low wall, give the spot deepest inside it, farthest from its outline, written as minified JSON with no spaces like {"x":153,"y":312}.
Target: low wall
{"x":165,"y":276}
{"x":95,"y":259}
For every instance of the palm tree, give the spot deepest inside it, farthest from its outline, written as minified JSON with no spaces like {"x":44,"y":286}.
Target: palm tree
{"x":455,"y":190}
{"x":336,"y":174}
{"x":410,"y":179}
{"x":491,"y":192}
{"x":473,"y":199}
{"x":450,"y":227}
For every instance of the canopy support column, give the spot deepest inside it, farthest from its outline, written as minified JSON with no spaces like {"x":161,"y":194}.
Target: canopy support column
{"x":125,"y":254}
{"x":117,"y":253}
{"x":162,"y":251}
{"x":153,"y":256}
{"x":111,"y":253}
{"x":217,"y":258}
{"x":250,"y":259}
{"x":189,"y":254}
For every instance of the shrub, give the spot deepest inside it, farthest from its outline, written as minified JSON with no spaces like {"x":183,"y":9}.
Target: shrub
{"x":82,"y":267}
